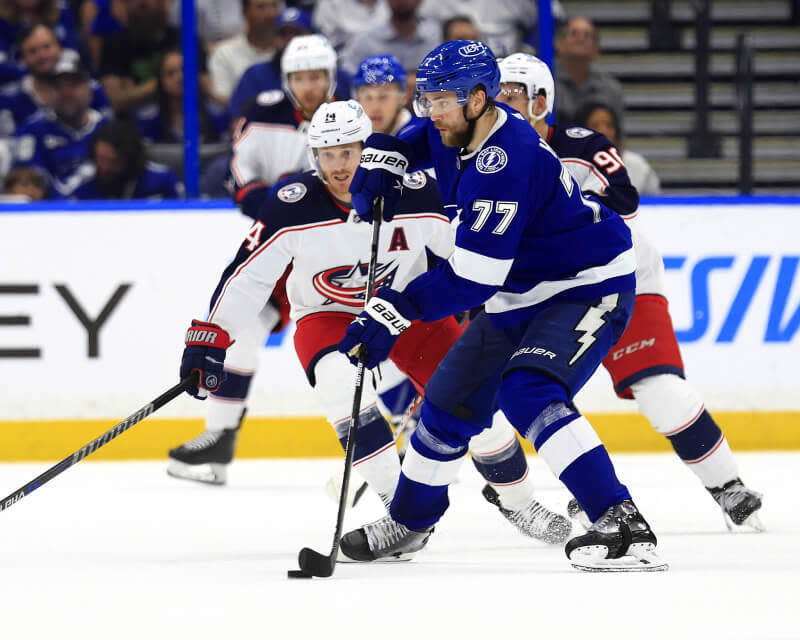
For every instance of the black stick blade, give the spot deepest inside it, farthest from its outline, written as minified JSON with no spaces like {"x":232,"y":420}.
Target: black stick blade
{"x":313,"y":563}
{"x":294,"y":573}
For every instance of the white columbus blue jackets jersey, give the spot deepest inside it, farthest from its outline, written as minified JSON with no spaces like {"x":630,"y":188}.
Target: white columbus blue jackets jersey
{"x":328,"y":248}
{"x":526,"y":236}
{"x":269,"y":141}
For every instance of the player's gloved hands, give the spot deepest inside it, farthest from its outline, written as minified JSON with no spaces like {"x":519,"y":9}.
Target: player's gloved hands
{"x":384,"y":162}
{"x":205,"y":352}
{"x":377,"y":328}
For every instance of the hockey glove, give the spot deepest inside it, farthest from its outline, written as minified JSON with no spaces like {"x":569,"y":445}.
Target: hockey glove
{"x":377,"y":328}
{"x":384,"y":162}
{"x":205,"y":352}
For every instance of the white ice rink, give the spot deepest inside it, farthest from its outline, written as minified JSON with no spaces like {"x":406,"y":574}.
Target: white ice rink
{"x":119,"y":550}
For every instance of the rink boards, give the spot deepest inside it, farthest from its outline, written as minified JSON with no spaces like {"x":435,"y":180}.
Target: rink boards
{"x":94,"y":304}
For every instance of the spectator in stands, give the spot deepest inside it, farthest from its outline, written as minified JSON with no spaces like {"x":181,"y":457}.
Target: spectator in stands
{"x":24,"y":184}
{"x":266,"y":76}
{"x":15,"y":15}
{"x":120,"y":170}
{"x":459,"y":27}
{"x":576,"y":81}
{"x":341,"y":20}
{"x":600,"y":117}
{"x":404,"y":34}
{"x":101,"y":18}
{"x":503,"y":23}
{"x":56,"y":140}
{"x":40,"y":52}
{"x":255,"y":44}
{"x":162,"y":122}
{"x":130,"y":59}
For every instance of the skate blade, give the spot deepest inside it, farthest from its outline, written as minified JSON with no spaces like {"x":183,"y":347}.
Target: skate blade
{"x":216,"y":474}
{"x":343,"y":559}
{"x":641,"y":557}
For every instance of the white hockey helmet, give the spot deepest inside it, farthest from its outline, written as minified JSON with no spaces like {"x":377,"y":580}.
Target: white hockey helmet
{"x":534,"y":75}
{"x":304,"y":53}
{"x":336,"y":123}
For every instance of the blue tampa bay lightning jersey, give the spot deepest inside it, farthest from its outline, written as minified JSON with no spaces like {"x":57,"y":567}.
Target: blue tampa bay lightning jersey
{"x":526,"y":235}
{"x":60,"y":152}
{"x":156,"y":182}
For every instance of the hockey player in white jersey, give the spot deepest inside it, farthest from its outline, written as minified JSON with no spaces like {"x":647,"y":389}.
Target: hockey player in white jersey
{"x":653,"y":376}
{"x":270,"y":142}
{"x":270,"y":137}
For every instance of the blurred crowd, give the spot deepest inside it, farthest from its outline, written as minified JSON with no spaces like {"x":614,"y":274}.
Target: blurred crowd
{"x":91,"y":91}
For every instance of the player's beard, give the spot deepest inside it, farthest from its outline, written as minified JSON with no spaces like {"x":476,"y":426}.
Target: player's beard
{"x":458,"y":139}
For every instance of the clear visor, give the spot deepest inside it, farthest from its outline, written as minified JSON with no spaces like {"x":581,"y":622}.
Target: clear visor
{"x":436,"y":103}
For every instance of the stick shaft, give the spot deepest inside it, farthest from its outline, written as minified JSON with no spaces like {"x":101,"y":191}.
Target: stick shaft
{"x":359,"y":387}
{"x":98,"y":442}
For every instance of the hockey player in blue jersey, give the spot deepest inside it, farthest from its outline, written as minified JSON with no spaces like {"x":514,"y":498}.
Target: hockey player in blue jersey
{"x":556,"y":273}
{"x":380,"y":84}
{"x":654,"y":376}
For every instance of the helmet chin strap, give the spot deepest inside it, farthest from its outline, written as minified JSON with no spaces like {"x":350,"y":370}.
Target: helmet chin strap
{"x":472,"y":121}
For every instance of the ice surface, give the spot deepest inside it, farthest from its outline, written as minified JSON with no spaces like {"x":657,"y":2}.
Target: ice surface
{"x":119,"y":550}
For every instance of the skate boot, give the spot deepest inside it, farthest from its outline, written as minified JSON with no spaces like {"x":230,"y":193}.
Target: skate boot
{"x":383,"y":540}
{"x":533,"y":520}
{"x":739,"y":504}
{"x":620,"y":540}
{"x":577,"y":514}
{"x":204,"y":458}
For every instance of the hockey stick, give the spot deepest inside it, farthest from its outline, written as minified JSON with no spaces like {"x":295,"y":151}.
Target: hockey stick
{"x":313,"y":563}
{"x":169,"y":395}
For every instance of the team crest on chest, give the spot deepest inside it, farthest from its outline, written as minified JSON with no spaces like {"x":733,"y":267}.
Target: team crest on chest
{"x":491,"y":160}
{"x":348,"y":284}
{"x":292,"y":192}
{"x":415,"y":180}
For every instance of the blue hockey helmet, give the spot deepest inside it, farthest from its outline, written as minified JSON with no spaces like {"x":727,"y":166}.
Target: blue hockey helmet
{"x":459,"y":66}
{"x":384,"y":69}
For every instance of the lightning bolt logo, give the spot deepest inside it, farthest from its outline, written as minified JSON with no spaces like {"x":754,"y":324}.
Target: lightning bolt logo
{"x":590,"y":324}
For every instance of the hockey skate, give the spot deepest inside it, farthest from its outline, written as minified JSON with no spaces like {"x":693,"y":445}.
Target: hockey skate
{"x":533,"y":520}
{"x":204,"y":458}
{"x":739,"y":505}
{"x":384,"y":540}
{"x":620,"y":540}
{"x":577,"y":514}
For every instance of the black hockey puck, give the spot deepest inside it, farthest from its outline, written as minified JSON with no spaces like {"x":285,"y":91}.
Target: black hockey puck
{"x":297,"y":573}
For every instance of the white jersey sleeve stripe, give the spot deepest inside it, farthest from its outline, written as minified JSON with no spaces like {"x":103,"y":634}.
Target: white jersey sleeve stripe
{"x":622,"y":265}
{"x":478,"y":267}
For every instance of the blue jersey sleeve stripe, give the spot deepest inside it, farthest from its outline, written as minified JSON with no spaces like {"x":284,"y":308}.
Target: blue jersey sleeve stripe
{"x":623,"y":264}
{"x":479,"y":268}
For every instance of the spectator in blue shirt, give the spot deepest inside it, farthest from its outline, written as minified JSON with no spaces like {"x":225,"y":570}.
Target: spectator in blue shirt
{"x":120,"y":169}
{"x":56,"y":139}
{"x":40,"y":52}
{"x":162,"y":122}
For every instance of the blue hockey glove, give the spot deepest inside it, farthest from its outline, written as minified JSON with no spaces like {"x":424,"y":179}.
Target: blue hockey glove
{"x":250,"y":198}
{"x":384,"y":162}
{"x":206,"y":344}
{"x":377,"y":328}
